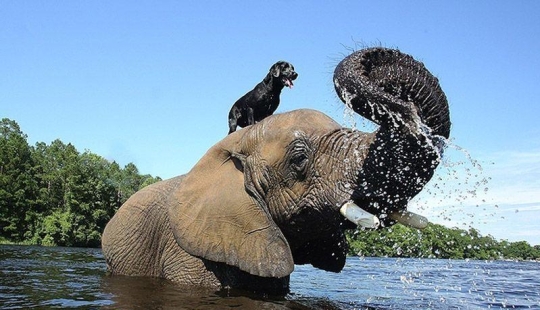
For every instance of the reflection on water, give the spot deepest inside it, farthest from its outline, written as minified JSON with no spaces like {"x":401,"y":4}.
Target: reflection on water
{"x":145,"y":293}
{"x":40,"y":277}
{"x":51,"y":277}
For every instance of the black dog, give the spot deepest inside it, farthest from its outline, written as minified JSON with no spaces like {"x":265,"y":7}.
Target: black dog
{"x":263,"y":100}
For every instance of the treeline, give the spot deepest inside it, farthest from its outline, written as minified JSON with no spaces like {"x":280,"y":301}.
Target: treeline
{"x":437,"y":241}
{"x":51,"y":194}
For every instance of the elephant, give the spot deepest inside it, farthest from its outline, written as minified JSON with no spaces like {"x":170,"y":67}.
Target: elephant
{"x":284,"y":191}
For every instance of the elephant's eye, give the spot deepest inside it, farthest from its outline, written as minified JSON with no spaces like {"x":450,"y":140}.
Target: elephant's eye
{"x":299,"y":162}
{"x":298,"y":153}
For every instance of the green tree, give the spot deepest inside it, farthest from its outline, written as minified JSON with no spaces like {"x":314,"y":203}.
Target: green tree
{"x":520,"y":250}
{"x":147,"y":180}
{"x":55,"y":171}
{"x":54,"y":195}
{"x":481,"y":247}
{"x":436,"y":241}
{"x":17,"y":186}
{"x":58,"y":175}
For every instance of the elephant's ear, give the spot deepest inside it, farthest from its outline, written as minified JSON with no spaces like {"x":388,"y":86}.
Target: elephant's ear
{"x":213,"y":217}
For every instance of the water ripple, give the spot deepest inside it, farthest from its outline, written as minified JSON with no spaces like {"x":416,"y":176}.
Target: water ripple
{"x":35,"y":277}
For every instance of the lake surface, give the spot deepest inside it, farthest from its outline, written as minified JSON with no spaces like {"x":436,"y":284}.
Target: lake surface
{"x":54,"y":277}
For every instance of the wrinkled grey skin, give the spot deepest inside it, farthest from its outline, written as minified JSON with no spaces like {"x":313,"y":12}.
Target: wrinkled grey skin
{"x":268,"y":196}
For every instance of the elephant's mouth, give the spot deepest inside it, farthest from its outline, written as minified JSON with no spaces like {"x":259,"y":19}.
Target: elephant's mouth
{"x":362,"y":218}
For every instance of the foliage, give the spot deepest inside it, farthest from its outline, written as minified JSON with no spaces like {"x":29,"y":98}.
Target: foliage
{"x":436,"y":241}
{"x":54,"y":195}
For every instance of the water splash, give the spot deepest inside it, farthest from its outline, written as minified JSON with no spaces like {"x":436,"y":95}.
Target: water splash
{"x":352,"y":119}
{"x":457,"y":193}
{"x":349,"y":116}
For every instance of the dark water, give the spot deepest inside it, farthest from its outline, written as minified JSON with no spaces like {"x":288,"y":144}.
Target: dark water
{"x":42,"y":278}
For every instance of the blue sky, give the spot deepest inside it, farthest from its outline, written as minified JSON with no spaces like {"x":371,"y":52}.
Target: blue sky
{"x":152,"y":82}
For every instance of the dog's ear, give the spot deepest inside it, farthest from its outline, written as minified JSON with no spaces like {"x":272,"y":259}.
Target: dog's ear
{"x":275,"y":70}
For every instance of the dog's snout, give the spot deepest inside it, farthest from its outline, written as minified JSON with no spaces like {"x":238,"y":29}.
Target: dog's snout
{"x":292,"y":75}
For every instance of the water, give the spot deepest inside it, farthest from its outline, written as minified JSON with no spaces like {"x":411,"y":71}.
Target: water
{"x":43,"y":278}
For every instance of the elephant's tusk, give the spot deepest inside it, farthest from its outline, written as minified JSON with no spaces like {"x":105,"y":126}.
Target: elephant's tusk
{"x":358,"y":216}
{"x":409,"y":219}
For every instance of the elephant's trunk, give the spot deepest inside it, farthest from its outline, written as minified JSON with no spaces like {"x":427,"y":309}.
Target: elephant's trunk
{"x":398,"y":93}
{"x":393,"y":89}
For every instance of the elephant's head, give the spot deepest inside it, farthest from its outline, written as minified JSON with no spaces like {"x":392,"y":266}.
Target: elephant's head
{"x":270,"y":195}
